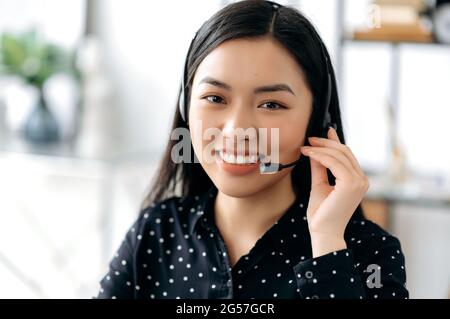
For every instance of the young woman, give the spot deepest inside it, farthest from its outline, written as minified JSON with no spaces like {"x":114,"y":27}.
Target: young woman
{"x":222,"y":228}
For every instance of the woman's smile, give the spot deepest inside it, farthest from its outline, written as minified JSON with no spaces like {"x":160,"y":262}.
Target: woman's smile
{"x":237,"y":164}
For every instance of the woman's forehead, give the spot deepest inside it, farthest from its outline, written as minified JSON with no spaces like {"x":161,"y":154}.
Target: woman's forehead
{"x":258,"y":61}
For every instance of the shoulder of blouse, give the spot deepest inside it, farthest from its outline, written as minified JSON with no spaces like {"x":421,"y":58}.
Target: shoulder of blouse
{"x":175,"y":209}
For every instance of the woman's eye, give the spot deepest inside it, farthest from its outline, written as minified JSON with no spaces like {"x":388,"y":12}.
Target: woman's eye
{"x":272,"y":106}
{"x":214,"y":99}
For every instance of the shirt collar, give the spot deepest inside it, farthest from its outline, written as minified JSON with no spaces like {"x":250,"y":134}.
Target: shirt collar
{"x":291,"y":222}
{"x":202,"y":209}
{"x":292,"y":225}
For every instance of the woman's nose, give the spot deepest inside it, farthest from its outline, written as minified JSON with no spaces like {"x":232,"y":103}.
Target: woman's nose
{"x":239,"y":126}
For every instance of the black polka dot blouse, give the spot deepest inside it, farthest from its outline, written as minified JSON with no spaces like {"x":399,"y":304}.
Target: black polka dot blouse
{"x":174,"y":250}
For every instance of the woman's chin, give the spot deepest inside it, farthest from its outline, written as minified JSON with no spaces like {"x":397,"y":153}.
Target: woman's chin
{"x":244,"y":187}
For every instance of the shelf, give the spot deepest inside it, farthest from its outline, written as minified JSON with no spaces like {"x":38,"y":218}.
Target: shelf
{"x":428,"y":191}
{"x":395,"y":34}
{"x":114,"y":153}
{"x":350,"y":39}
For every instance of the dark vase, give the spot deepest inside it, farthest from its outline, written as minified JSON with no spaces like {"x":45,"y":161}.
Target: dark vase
{"x":41,"y":126}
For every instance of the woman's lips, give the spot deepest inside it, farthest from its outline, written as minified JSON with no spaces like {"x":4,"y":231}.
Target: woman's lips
{"x":237,"y":164}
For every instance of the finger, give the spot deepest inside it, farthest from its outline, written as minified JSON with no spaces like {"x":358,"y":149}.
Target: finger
{"x":317,"y":141}
{"x":336,"y":153}
{"x":318,"y":173}
{"x":346,"y":150}
{"x":332,"y":134}
{"x":334,"y":165}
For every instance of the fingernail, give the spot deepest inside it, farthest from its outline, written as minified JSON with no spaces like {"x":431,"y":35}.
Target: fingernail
{"x":333,"y":127}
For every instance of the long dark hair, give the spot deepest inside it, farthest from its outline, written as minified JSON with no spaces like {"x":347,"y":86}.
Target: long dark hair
{"x":250,"y":19}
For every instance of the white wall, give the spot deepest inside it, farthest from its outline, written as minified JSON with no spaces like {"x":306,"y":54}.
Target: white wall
{"x":146,"y":43}
{"x":424,"y":234}
{"x":60,"y":21}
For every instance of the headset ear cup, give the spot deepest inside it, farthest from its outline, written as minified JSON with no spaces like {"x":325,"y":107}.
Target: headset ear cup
{"x":182,"y":102}
{"x":181,"y":105}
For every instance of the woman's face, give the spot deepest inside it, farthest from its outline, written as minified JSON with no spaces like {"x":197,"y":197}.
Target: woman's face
{"x":248,"y":84}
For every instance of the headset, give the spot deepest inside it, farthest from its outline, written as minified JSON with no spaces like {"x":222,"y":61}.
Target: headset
{"x":267,"y":167}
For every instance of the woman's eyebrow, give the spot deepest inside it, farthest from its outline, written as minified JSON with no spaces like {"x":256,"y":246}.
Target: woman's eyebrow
{"x":274,"y":88}
{"x":261,"y":89}
{"x":215,"y":82}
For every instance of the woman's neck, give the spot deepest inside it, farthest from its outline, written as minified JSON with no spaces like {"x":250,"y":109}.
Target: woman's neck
{"x":253,"y":215}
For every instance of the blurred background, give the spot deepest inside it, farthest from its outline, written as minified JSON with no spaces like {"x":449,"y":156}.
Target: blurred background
{"x":88,"y":89}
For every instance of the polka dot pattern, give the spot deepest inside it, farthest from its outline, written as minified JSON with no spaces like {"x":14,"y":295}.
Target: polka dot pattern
{"x":174,"y":250}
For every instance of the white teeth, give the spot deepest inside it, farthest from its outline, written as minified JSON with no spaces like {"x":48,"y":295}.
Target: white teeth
{"x":239,"y":159}
{"x":230,"y":158}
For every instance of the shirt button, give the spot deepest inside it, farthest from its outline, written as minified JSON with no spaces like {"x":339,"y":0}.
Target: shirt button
{"x":314,"y":297}
{"x":229,"y":283}
{"x":309,"y":274}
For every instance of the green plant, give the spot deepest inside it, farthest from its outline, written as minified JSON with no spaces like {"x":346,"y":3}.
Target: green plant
{"x":32,"y":58}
